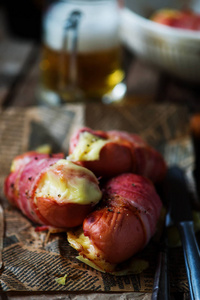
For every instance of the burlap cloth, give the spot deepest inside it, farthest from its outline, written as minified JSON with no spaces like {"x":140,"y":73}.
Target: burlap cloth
{"x":30,"y":263}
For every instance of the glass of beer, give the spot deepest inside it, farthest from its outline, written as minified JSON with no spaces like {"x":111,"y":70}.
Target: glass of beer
{"x":81,"y":52}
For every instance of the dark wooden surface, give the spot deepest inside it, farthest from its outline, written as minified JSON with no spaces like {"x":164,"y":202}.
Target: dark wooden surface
{"x":19,"y":76}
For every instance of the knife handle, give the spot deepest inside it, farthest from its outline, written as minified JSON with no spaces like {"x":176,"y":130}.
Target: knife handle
{"x":192,"y":257}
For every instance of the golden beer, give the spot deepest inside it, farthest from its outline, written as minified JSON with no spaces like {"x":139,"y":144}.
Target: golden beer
{"x":97,"y":72}
{"x":97,"y":62}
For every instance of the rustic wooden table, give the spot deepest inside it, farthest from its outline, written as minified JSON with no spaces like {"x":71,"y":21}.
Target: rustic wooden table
{"x":19,"y":75}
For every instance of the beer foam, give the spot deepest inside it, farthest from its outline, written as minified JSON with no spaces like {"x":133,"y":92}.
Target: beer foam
{"x":98,"y":28}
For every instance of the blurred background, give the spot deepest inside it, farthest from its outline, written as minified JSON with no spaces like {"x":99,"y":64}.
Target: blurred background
{"x":22,"y":19}
{"x":143,"y":46}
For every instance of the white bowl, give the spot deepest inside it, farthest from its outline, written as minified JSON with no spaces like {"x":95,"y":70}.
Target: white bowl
{"x":176,"y":51}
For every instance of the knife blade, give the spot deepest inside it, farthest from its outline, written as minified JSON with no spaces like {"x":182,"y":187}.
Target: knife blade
{"x":181,"y":214}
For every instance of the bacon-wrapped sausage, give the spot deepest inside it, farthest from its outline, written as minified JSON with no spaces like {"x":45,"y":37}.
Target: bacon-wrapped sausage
{"x":122,"y":225}
{"x":50,"y":190}
{"x":114,"y":152}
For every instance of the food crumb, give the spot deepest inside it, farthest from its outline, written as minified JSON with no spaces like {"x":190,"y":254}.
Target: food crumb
{"x":61,"y":280}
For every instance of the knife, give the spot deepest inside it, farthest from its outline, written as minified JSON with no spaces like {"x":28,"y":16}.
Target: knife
{"x":181,"y":214}
{"x":161,"y":279}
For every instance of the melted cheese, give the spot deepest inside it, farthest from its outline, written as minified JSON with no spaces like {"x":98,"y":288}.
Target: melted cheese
{"x":88,"y":253}
{"x":69,"y":187}
{"x":88,"y":147}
